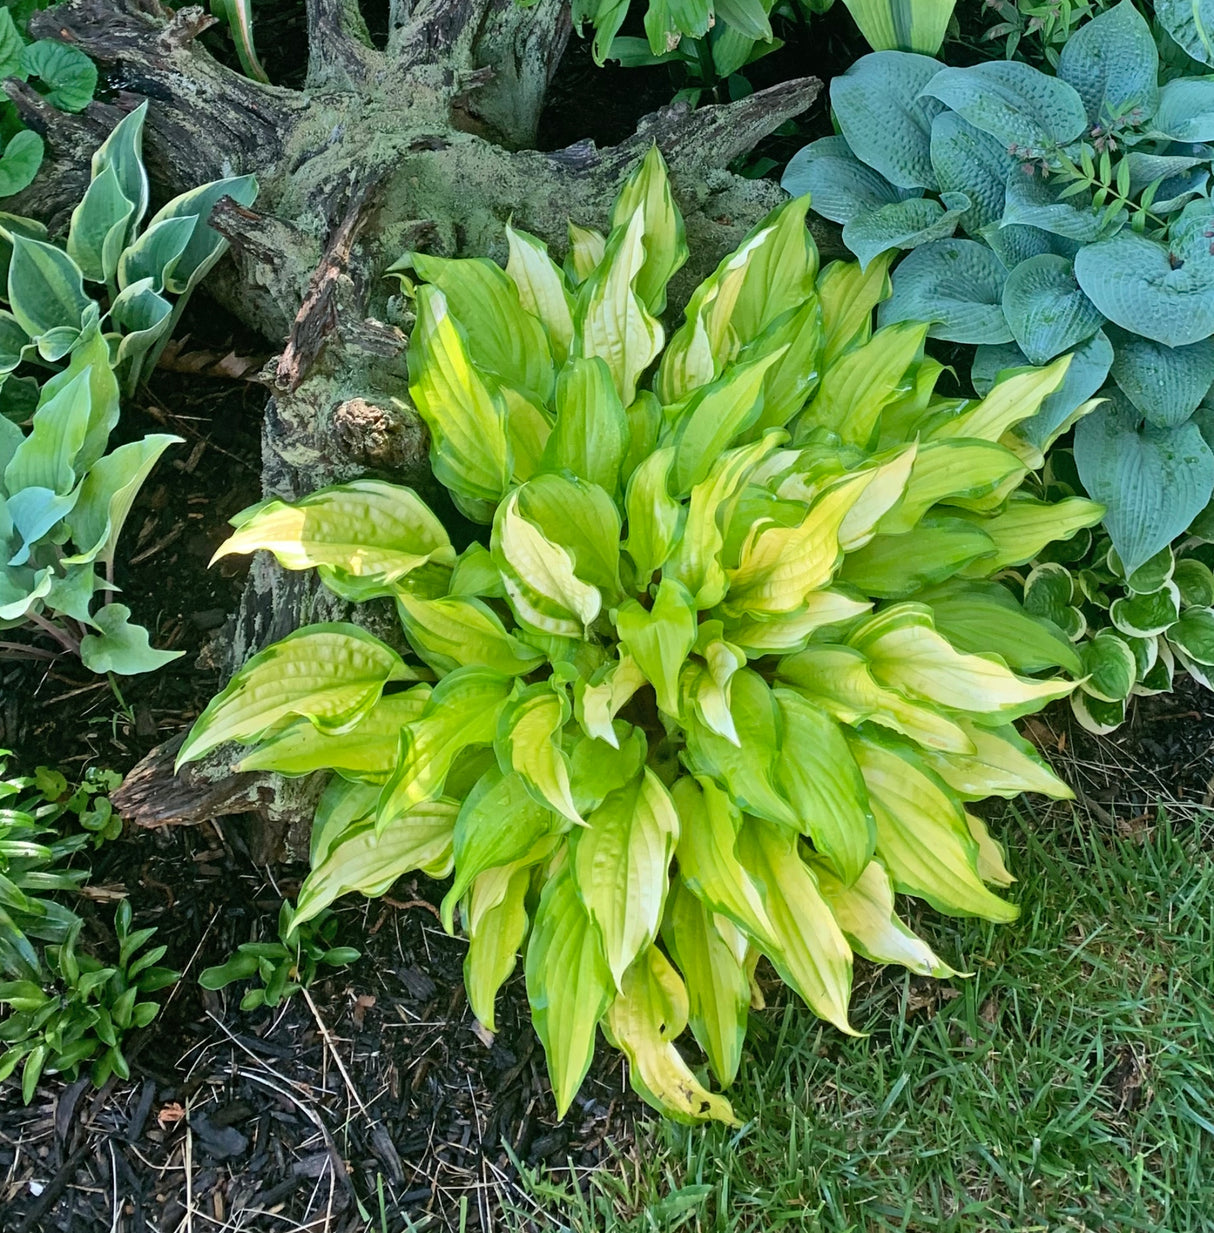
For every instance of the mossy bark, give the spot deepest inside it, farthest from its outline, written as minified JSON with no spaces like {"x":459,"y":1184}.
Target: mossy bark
{"x":425,"y":143}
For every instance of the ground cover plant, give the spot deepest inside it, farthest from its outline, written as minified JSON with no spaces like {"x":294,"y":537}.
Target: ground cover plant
{"x":667,"y":647}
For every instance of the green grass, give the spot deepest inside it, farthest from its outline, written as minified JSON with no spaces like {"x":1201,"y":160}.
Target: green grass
{"x":1067,"y":1085}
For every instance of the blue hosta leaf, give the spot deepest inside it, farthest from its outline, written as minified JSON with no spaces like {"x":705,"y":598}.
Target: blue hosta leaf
{"x":68,"y":75}
{"x":905,"y":224}
{"x":1034,"y":202}
{"x":20,"y":162}
{"x":1186,"y":109}
{"x":1112,"y":62}
{"x":967,"y":160}
{"x":1016,"y":243}
{"x":1045,"y":308}
{"x":45,"y":288}
{"x":955,"y":284}
{"x":840,"y":186}
{"x":120,"y":646}
{"x":887,"y":123}
{"x":1165,"y":383}
{"x":1178,"y":190}
{"x":1146,"y":168}
{"x":1013,"y":102}
{"x":1088,"y":369}
{"x":1191,"y":24}
{"x":1164,"y":293}
{"x":1153,"y":481}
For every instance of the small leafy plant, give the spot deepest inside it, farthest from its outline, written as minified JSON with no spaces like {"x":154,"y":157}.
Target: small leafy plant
{"x":718,"y":673}
{"x":285,"y":966}
{"x":1085,"y":200}
{"x":63,"y":499}
{"x":1042,"y":26}
{"x":63,"y":74}
{"x":81,"y":1010}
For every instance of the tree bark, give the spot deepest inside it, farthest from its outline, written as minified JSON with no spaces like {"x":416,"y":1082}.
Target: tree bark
{"x":425,"y":144}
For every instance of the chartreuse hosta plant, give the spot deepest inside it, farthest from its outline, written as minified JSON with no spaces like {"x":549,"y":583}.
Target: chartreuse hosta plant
{"x":99,"y":308}
{"x":718,"y":676}
{"x":1084,"y":203}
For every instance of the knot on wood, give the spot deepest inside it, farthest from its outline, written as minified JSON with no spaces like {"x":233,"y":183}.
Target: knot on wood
{"x":387,"y":438}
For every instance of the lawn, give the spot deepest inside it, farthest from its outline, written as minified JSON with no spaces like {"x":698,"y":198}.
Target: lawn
{"x":1067,"y":1084}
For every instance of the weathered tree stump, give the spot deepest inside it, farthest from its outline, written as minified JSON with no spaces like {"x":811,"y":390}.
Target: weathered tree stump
{"x":421,"y":144}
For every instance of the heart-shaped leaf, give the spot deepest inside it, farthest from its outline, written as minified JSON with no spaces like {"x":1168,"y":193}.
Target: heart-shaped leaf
{"x":879,"y":106}
{"x":1045,"y":308}
{"x":1152,"y":481}
{"x":905,"y":224}
{"x":1112,"y":62}
{"x":957,"y":285}
{"x":840,"y":186}
{"x":1186,"y":109}
{"x":69,"y":77}
{"x":967,"y":160}
{"x":21,"y":160}
{"x":1164,"y":383}
{"x":1191,"y":24}
{"x":1034,"y":202}
{"x":1164,"y":293}
{"x":1014,"y":103}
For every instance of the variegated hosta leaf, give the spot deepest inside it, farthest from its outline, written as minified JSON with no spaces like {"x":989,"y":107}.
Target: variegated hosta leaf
{"x":647,"y":1014}
{"x":362,"y":536}
{"x":682,"y":717}
{"x":331,"y":675}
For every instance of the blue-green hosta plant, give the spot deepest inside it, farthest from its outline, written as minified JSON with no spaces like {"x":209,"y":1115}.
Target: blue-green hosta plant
{"x":62,"y":74}
{"x":99,"y":307}
{"x":719,"y":673}
{"x":115,"y":271}
{"x":1050,"y":215}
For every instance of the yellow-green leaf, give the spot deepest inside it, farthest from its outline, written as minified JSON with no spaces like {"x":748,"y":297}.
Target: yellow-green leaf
{"x":848,"y":295}
{"x":660,"y":639}
{"x":542,"y":288}
{"x":590,"y":436}
{"x":1003,"y":764}
{"x":648,"y":189}
{"x":459,"y":631}
{"x":496,"y":925}
{"x":529,"y":742}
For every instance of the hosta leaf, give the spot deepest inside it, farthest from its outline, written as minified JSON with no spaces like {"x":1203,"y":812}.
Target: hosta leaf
{"x":1185,"y":112}
{"x":705,"y":948}
{"x":503,"y":339}
{"x":366,"y":751}
{"x":895,"y":566}
{"x":909,"y":25}
{"x":957,"y":286}
{"x":330,"y":674}
{"x":120,"y":647}
{"x":621,"y":866}
{"x":1165,"y":383}
{"x":841,"y":187}
{"x":922,"y":836}
{"x":1045,"y":308}
{"x":99,"y":227}
{"x":1112,"y":62}
{"x":1143,"y":616}
{"x":818,"y":775}
{"x":904,"y":224}
{"x":363,"y":536}
{"x":467,"y":420}
{"x":582,"y":519}
{"x":1002,"y":764}
{"x":991,"y":867}
{"x":45,"y":288}
{"x":569,"y":984}
{"x":967,"y":160}
{"x":866,"y":914}
{"x":906,"y":653}
{"x":1010,"y":400}
{"x":205,"y":245}
{"x":460,"y":631}
{"x":984,"y":616}
{"x":1014,"y":102}
{"x":544,"y":591}
{"x":782,"y":634}
{"x":1193,"y":637}
{"x":1026,"y":525}
{"x":880,"y":107}
{"x":496,"y":924}
{"x":369,"y":862}
{"x":811,"y":953}
{"x":590,"y":436}
{"x":597,"y":702}
{"x":122,"y":151}
{"x":586,"y":249}
{"x":1195,"y":581}
{"x":654,"y":516}
{"x":611,"y":320}
{"x":1191,"y":24}
{"x":660,"y":639}
{"x":528,"y":741}
{"x":1109,"y":666}
{"x":645,"y":1017}
{"x":746,"y":769}
{"x":463,"y":710}
{"x":499,"y":822}
{"x":839,"y":680}
{"x":1152,"y":481}
{"x":45,"y":458}
{"x":648,"y":189}
{"x":848,"y":296}
{"x":542,"y":289}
